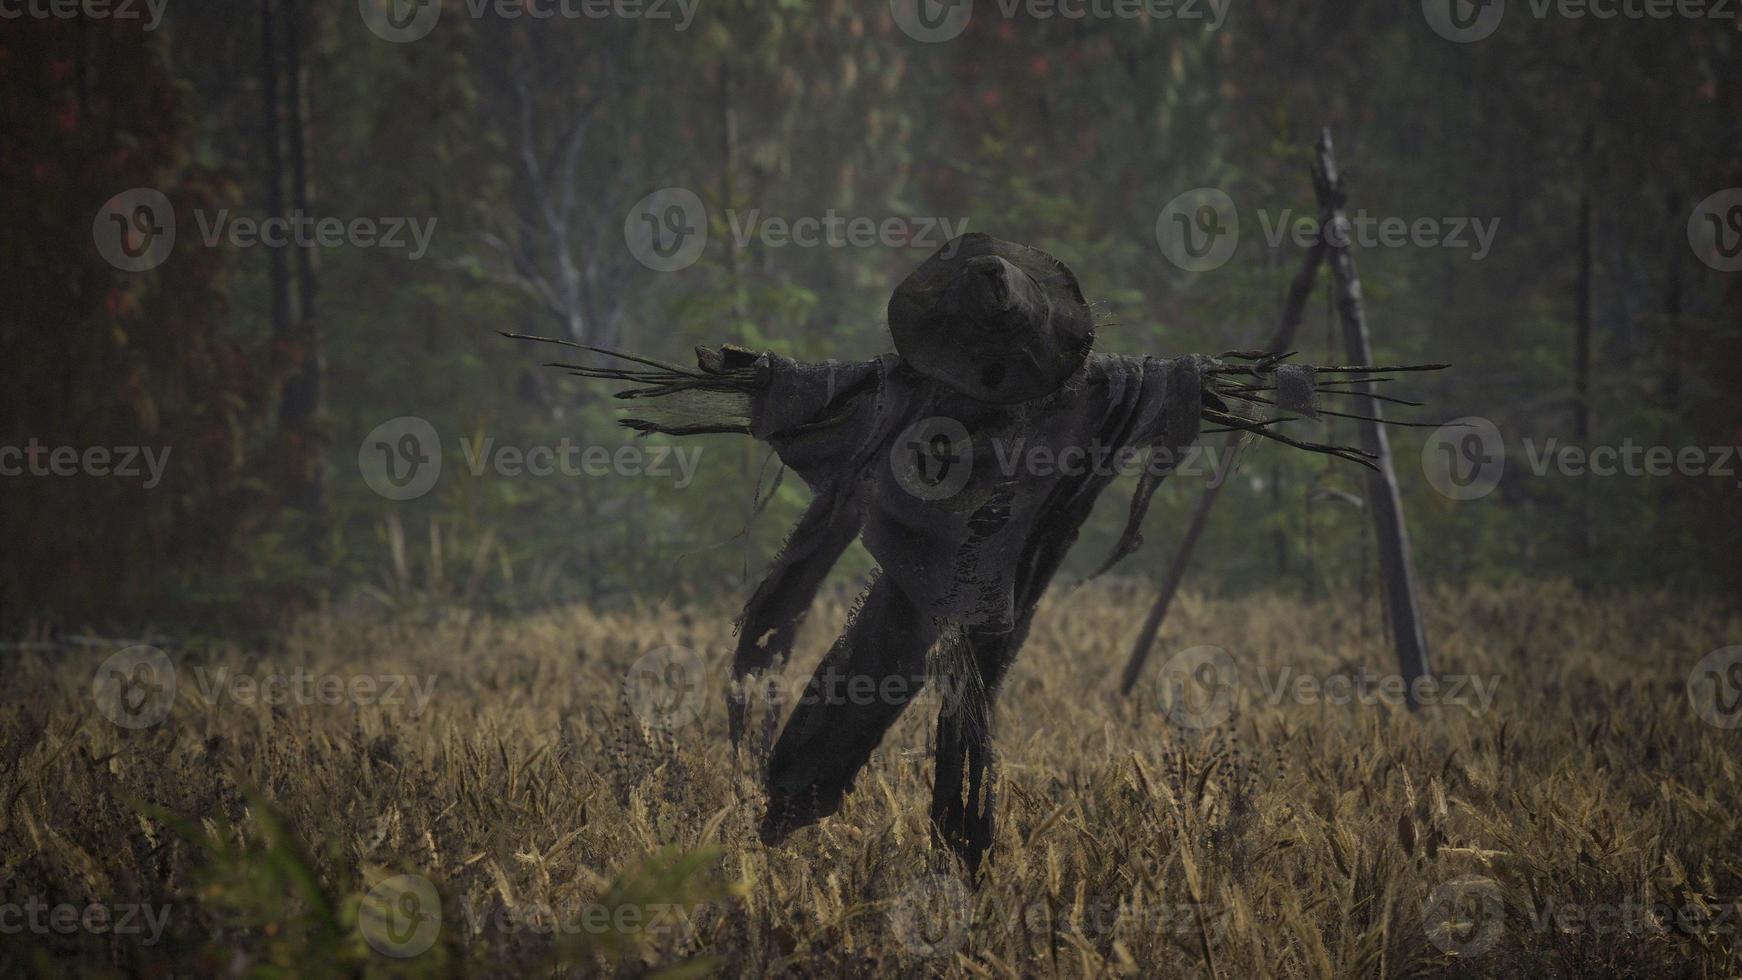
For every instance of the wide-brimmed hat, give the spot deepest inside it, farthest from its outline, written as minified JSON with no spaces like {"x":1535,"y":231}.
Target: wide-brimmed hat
{"x":992,"y":319}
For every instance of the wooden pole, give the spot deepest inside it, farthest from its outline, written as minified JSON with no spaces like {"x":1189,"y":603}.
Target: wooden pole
{"x":1582,"y":354}
{"x":1395,"y":564}
{"x":1293,"y":312}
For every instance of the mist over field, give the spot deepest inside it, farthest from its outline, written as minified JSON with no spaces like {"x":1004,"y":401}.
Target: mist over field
{"x":346,"y":635}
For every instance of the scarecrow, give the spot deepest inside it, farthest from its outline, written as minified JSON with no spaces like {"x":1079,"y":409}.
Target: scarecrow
{"x":967,"y":462}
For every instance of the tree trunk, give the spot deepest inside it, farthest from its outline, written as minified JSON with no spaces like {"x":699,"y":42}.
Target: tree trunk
{"x":1582,"y":364}
{"x":303,"y":394}
{"x":1672,"y":309}
{"x":283,"y":310}
{"x":1584,"y":545}
{"x":1670,"y":384}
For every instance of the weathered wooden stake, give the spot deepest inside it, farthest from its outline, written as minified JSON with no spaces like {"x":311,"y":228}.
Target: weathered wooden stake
{"x":1394,"y":553}
{"x":1395,"y":565}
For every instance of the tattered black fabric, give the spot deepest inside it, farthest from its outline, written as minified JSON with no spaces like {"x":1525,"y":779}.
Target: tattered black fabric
{"x":959,"y":574}
{"x":967,"y":463}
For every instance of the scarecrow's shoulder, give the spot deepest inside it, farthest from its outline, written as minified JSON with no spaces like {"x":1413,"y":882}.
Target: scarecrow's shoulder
{"x":1105,"y":368}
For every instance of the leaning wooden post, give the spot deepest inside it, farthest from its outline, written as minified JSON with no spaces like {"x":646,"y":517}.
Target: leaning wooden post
{"x":1293,"y":311}
{"x":1387,"y":504}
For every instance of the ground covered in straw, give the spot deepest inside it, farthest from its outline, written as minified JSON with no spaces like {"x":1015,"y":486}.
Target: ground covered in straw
{"x":1582,"y":822}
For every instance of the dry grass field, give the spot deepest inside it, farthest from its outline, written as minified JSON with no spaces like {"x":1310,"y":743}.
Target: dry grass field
{"x":1584,"y":823}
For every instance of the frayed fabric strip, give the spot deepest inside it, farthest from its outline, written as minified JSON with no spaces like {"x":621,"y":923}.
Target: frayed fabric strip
{"x":1297,"y":389}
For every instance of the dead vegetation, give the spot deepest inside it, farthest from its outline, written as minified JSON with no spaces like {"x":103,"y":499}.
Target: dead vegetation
{"x":1295,"y":839}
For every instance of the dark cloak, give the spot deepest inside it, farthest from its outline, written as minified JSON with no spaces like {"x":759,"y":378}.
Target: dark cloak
{"x":975,"y":561}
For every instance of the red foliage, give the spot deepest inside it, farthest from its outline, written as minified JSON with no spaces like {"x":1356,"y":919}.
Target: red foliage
{"x":103,"y":357}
